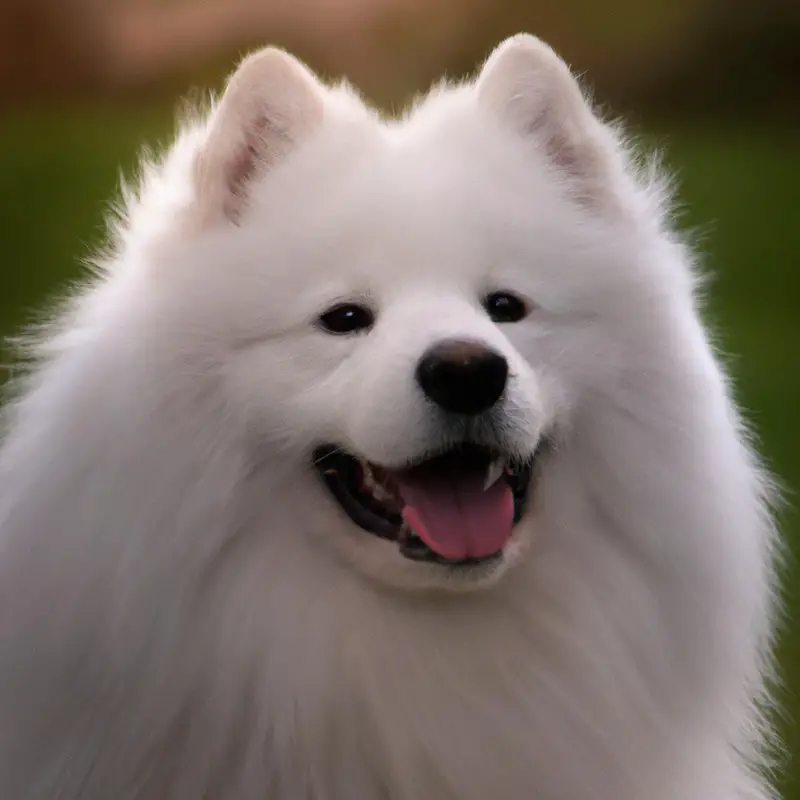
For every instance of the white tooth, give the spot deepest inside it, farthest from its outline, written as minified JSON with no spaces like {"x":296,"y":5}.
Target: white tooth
{"x":369,"y":481}
{"x":494,"y":472}
{"x":376,"y":489}
{"x":379,"y":493}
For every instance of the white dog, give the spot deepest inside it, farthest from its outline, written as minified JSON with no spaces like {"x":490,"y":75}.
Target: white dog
{"x":385,"y":460}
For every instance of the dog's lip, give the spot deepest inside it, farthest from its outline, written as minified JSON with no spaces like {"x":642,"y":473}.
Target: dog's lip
{"x":344,"y":476}
{"x":336,"y":468}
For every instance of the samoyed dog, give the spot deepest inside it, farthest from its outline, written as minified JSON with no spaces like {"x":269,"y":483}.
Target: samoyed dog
{"x":385,"y":460}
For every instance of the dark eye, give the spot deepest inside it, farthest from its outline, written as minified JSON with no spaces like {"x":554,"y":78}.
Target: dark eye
{"x":505,"y":307}
{"x":347,"y":318}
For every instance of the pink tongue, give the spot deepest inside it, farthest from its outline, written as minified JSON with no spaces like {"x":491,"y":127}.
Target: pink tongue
{"x":459,"y":520}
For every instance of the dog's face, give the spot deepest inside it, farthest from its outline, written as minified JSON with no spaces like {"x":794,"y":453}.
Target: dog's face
{"x":415,"y":308}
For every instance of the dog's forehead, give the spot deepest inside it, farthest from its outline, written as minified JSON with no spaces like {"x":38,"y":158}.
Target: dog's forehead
{"x":417,"y":209}
{"x":419,"y":202}
{"x":418,"y":169}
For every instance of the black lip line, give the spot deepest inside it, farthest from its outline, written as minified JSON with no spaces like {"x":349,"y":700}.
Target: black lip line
{"x":377,"y":523}
{"x":380,"y":525}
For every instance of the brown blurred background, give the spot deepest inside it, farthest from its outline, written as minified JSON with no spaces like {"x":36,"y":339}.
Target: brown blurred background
{"x":685,"y":56}
{"x":83,"y":83}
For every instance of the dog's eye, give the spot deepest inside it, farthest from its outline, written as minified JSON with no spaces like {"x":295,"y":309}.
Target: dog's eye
{"x":347,"y":318}
{"x":505,"y":307}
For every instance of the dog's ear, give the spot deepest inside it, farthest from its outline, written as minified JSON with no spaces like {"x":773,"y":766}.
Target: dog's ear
{"x":271,"y":103}
{"x":529,"y":88}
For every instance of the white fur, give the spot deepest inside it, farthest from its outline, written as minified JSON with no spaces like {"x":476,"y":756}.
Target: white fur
{"x":185,"y":613}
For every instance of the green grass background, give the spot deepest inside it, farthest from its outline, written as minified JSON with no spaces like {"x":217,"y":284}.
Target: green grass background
{"x":738,"y":188}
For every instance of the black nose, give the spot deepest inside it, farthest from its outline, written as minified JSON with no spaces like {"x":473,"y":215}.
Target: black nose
{"x":462,"y":377}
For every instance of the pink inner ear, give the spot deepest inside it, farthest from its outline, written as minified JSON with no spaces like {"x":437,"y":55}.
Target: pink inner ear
{"x":561,"y":150}
{"x":243,"y":167}
{"x":564,"y":155}
{"x":263,"y":141}
{"x":574,"y":158}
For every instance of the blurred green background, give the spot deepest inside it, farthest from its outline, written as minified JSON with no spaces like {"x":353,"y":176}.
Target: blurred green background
{"x":83,"y":83}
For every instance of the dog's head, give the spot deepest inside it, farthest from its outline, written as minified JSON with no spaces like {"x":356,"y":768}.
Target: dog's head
{"x":410,"y":309}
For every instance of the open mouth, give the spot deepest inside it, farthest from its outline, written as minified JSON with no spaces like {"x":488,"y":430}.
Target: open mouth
{"x":457,"y":508}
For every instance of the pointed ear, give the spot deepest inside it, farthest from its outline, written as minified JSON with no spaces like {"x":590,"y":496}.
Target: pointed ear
{"x":271,"y":103}
{"x":532,"y":91}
